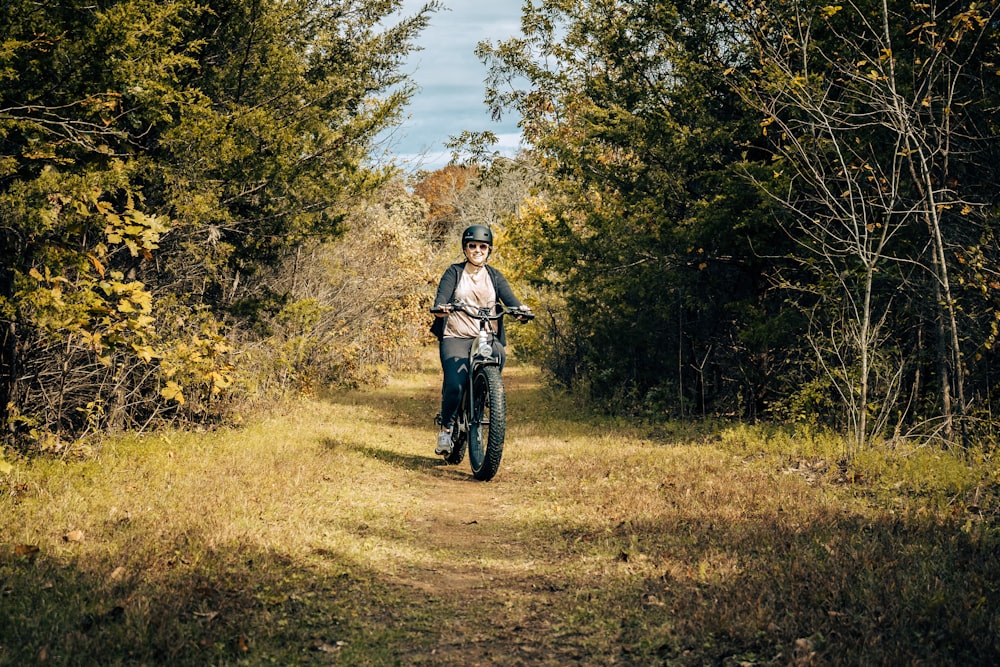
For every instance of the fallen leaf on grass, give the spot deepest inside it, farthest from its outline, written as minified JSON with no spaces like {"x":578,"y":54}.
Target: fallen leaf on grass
{"x":803,"y":653}
{"x":117,"y":573}
{"x":26,"y":550}
{"x":207,"y":615}
{"x":73,"y":536}
{"x":330,"y":648}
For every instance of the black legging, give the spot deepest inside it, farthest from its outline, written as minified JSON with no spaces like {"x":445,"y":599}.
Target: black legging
{"x":455,"y":364}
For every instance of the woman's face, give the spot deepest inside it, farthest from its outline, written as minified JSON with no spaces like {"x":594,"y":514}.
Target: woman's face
{"x":477,"y":252}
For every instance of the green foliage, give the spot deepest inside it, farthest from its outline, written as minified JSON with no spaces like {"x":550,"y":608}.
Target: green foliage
{"x":71,"y":304}
{"x":157,"y":162}
{"x":197,"y":365}
{"x":866,"y":109}
{"x":771,"y":210}
{"x":763,"y":209}
{"x":356,"y":308}
{"x":645,"y":229}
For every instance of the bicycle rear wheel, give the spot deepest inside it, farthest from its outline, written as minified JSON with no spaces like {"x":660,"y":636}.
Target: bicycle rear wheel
{"x":489,"y":423}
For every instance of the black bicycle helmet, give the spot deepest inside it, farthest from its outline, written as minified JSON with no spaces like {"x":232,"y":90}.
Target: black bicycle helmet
{"x":480,"y":233}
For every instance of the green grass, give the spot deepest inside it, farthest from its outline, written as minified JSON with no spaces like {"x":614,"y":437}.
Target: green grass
{"x":329,"y":534}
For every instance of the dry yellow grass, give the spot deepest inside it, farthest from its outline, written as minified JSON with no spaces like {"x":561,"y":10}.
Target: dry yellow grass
{"x":330,"y":534}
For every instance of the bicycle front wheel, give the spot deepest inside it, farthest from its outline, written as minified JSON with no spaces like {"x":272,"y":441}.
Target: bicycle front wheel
{"x":489,"y":421}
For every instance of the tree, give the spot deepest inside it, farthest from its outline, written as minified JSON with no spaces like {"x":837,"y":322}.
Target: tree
{"x":349,"y":316}
{"x":155,"y":160}
{"x":874,"y":116}
{"x":441,"y":190}
{"x":644,"y":229}
{"x":862,"y":262}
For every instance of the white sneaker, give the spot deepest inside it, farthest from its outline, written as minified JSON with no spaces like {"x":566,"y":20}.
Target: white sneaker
{"x":444,"y":443}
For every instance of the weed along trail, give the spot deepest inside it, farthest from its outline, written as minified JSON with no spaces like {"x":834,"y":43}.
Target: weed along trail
{"x":330,"y":534}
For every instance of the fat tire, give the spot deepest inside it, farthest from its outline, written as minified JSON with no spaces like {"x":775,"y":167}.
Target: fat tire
{"x":488,"y":423}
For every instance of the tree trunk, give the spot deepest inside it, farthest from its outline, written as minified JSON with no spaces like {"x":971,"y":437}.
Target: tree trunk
{"x":8,"y":355}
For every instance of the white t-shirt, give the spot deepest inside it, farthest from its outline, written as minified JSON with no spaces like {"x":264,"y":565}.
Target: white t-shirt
{"x":477,"y":291}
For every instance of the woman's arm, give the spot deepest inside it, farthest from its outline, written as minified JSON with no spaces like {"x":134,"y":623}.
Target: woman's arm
{"x":446,"y":288}
{"x":504,"y":293}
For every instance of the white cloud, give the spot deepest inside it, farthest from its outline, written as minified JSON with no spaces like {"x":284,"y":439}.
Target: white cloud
{"x":507,"y":144}
{"x":451,"y":81}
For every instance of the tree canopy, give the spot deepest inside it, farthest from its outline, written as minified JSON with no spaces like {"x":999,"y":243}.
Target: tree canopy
{"x":777,"y":209}
{"x":781,"y":209}
{"x":155,"y":158}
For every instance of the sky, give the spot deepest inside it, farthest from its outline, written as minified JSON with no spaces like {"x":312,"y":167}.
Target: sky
{"x":451,"y":81}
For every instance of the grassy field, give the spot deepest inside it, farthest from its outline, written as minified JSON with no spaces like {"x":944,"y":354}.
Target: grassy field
{"x":330,"y":534}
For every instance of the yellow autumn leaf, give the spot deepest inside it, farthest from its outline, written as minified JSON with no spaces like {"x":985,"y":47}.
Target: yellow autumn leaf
{"x":142,"y":299}
{"x":97,"y":264}
{"x":173,"y":392}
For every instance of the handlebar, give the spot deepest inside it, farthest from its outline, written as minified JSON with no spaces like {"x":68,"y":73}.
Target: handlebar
{"x":500,"y":310}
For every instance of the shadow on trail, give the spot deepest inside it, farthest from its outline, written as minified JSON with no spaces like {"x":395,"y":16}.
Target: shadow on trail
{"x":838,"y":591}
{"x":232,"y":604}
{"x":419,"y":462}
{"x":531,"y":404}
{"x":689,"y":585}
{"x":390,"y":456}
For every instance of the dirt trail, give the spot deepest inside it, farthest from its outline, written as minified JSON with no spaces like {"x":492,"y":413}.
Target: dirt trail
{"x":456,"y":518}
{"x":482,"y":568}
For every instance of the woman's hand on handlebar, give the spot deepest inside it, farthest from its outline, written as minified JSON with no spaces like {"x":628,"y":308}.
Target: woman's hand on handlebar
{"x":442,"y":310}
{"x":523,"y":313}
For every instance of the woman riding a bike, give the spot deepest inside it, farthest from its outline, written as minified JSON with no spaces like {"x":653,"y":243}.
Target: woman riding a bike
{"x":478,"y":285}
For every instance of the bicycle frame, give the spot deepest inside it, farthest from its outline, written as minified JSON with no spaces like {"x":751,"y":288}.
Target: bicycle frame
{"x":476,"y":359}
{"x":487,"y":406}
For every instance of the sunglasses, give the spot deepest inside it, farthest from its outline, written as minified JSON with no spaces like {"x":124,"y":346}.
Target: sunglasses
{"x":478,"y":246}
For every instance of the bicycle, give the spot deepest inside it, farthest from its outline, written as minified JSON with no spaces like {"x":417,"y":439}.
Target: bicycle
{"x":481,"y":420}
